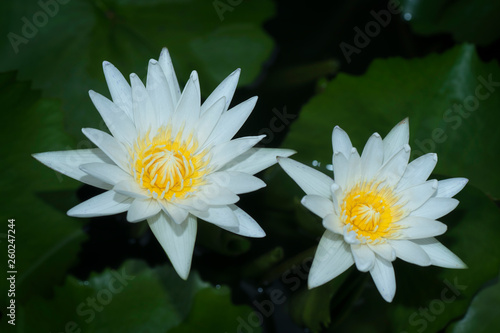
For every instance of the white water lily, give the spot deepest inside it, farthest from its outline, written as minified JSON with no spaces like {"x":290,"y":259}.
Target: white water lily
{"x":169,"y":159}
{"x":378,"y":208}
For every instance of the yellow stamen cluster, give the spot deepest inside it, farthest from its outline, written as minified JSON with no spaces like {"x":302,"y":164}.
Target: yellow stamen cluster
{"x":370,"y":210}
{"x":168,"y":167}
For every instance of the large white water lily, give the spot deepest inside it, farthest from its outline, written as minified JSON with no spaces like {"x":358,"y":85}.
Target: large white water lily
{"x":378,"y":208}
{"x":169,"y":159}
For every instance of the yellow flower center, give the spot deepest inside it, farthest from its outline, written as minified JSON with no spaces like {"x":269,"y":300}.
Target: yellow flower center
{"x":168,"y":167}
{"x":371,"y":210}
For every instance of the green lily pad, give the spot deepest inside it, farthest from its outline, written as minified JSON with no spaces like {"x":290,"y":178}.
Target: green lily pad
{"x":451,"y":100}
{"x":46,"y":239}
{"x":466,"y":20}
{"x":61,"y":47}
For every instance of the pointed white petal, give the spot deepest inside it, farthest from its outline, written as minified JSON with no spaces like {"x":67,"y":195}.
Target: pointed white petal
{"x":213,"y":194}
{"x":209,"y":120}
{"x":119,"y":124}
{"x":353,"y":168}
{"x":131,"y":189}
{"x":187,"y":111}
{"x":168,"y":69}
{"x":108,"y":173}
{"x":383,"y":275}
{"x":417,"y":171}
{"x":414,"y":197}
{"x":435,"y":208}
{"x":222,"y":216}
{"x":142,"y":209}
{"x":176,"y":239}
{"x":439,"y":254}
{"x":410,"y":252}
{"x":448,"y":188}
{"x":225,"y":152}
{"x":341,"y":142}
{"x":107,"y":203}
{"x":372,"y":157}
{"x":340,"y":169}
{"x":396,"y":139}
{"x":309,"y":180}
{"x":68,"y":163}
{"x":364,"y":258}
{"x":119,"y":88}
{"x":318,"y":205}
{"x":414,"y":227}
{"x":392,"y":170}
{"x":336,"y":193}
{"x":247,"y":226}
{"x":256,"y":159}
{"x":144,"y":113}
{"x":231,"y":121}
{"x":236,"y":182}
{"x":333,"y":256}
{"x":384,"y":250}
{"x":225,"y":89}
{"x":109,"y":146}
{"x":160,"y":94}
{"x":176,"y":213}
{"x":333,"y":223}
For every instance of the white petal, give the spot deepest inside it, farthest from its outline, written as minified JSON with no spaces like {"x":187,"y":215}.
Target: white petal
{"x":435,"y":208}
{"x":309,"y":180}
{"x":236,"y":182}
{"x":119,"y":124}
{"x":176,"y":239}
{"x":333,"y":256}
{"x":415,"y":227}
{"x":256,"y":159}
{"x":341,"y":142}
{"x":340,"y":169}
{"x":144,"y":113}
{"x":410,"y":252}
{"x":448,"y":188}
{"x":160,"y":94}
{"x":208,"y":120}
{"x":383,"y":275}
{"x":225,"y":89}
{"x":392,"y":170}
{"x":131,"y":189}
{"x":414,"y":197}
{"x":187,"y":111}
{"x":417,"y":171}
{"x":227,"y":151}
{"x":176,"y":213}
{"x":396,"y":139}
{"x":336,"y":193}
{"x":231,"y":121}
{"x":364,"y":258}
{"x":333,"y":223}
{"x":354,"y":168}
{"x":109,"y":146}
{"x":439,"y":254}
{"x":247,"y":226}
{"x":213,"y":194}
{"x":108,"y":173}
{"x":107,"y":203}
{"x":384,"y":250}
{"x":142,"y":209}
{"x":372,"y":157}
{"x":318,"y":205}
{"x":222,"y":216}
{"x":119,"y":88}
{"x":68,"y":163}
{"x":168,"y":69}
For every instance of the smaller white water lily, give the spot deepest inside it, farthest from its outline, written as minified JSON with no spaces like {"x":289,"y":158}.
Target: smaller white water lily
{"x":170,"y":159}
{"x":378,"y":208}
